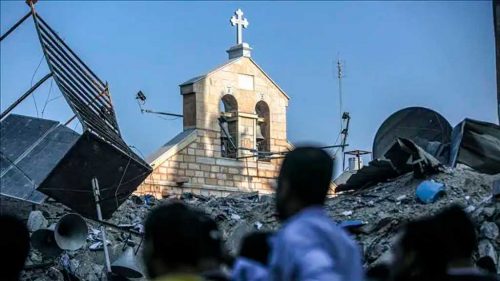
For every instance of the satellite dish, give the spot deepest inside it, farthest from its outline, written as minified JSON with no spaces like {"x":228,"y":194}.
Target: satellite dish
{"x":419,"y":124}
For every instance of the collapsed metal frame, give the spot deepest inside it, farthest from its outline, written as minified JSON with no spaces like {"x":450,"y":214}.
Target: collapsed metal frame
{"x":90,"y":100}
{"x":87,"y":95}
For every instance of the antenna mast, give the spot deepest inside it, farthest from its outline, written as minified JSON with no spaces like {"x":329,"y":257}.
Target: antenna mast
{"x":345,"y":117}
{"x":340,"y":75}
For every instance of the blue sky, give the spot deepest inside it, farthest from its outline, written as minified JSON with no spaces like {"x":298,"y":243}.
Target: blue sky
{"x":397,"y":54}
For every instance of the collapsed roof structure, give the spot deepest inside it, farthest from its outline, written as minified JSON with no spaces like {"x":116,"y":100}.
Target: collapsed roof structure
{"x":41,"y":158}
{"x":421,"y":140}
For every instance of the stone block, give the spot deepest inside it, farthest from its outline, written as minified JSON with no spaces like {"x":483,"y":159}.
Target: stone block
{"x":229,"y":162}
{"x":199,"y":174}
{"x":172,"y":171}
{"x":211,"y":181}
{"x":200,"y":152}
{"x":251,"y":172}
{"x":178,"y":158}
{"x":193,"y":166}
{"x":205,"y":168}
{"x":221,"y":176}
{"x":189,"y":159}
{"x":214,"y":169}
{"x":205,"y":160}
{"x":234,"y":171}
{"x":189,"y":173}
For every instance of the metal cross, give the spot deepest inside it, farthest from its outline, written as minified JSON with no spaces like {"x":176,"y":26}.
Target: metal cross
{"x":240,"y":22}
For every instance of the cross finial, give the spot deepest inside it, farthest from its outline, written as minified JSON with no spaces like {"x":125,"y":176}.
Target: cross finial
{"x":240,"y":23}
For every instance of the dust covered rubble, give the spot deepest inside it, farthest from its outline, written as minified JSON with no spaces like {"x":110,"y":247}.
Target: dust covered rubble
{"x":383,"y":209}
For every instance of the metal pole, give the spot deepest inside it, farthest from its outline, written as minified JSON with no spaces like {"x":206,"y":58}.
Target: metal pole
{"x":15,"y":26}
{"x":19,"y":100}
{"x":161,"y":113}
{"x":97,"y":198}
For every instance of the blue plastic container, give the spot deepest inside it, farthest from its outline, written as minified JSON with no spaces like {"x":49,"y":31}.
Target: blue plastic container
{"x":429,"y":191}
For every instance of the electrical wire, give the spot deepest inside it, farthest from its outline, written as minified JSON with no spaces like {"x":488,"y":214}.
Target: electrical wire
{"x":55,"y":98}
{"x":121,"y":180}
{"x":48,"y":96}
{"x":167,"y":119}
{"x":31,"y":85}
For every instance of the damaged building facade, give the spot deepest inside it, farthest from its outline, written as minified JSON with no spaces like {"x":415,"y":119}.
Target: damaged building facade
{"x":234,"y":131}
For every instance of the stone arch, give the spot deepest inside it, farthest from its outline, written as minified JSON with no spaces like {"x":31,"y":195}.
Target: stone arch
{"x":263,"y":141}
{"x":228,"y":107}
{"x":228,"y":103}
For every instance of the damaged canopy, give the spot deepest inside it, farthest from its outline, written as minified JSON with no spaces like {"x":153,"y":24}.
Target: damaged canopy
{"x":402,"y":157}
{"x":477,"y":145}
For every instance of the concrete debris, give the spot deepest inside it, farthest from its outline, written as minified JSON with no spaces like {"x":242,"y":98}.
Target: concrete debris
{"x":347,"y":213}
{"x":54,"y":274}
{"x":489,"y":230}
{"x":382,"y":209}
{"x":487,"y":251}
{"x":98,"y":246}
{"x":36,"y":221}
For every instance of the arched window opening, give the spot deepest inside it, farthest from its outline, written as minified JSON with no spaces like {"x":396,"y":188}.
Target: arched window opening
{"x":228,"y":104}
{"x":229,"y":126}
{"x":262,"y":136}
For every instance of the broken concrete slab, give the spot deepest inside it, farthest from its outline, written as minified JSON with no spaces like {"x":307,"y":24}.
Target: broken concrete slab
{"x":36,"y":221}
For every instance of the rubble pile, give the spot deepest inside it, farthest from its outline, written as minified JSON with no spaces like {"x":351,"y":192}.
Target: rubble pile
{"x":376,"y":212}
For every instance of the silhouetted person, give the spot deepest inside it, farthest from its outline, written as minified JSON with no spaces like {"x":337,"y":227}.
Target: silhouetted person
{"x":252,"y":261}
{"x":438,"y":248}
{"x":418,"y":255}
{"x":460,"y":241}
{"x":212,"y":255}
{"x":310,"y":246}
{"x":179,"y":243}
{"x":14,"y":247}
{"x":379,"y":272}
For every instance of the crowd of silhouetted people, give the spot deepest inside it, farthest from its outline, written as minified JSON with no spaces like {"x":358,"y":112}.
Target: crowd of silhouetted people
{"x":182,"y":243}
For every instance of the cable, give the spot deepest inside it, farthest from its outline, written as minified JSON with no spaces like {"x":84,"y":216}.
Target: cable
{"x":143,"y":157}
{"x":53,"y":99}
{"x":31,"y":84}
{"x":121,"y":180}
{"x":48,"y":96}
{"x":167,"y":119}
